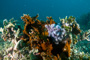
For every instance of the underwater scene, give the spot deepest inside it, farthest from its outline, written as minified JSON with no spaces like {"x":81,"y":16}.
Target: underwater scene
{"x":44,"y":29}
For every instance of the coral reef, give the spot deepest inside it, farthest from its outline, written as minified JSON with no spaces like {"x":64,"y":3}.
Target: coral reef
{"x":84,"y":21}
{"x":40,"y":40}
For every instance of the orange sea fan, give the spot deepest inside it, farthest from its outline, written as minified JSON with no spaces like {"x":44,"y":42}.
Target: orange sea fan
{"x":50,"y":20}
{"x":32,"y":23}
{"x":67,"y":47}
{"x":28,"y":20}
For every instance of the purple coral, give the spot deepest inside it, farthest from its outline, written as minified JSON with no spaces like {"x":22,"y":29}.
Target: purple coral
{"x":56,"y":32}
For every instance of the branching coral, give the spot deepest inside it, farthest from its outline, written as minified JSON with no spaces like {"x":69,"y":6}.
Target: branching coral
{"x":11,"y":33}
{"x":85,"y":35}
{"x":32,"y":27}
{"x":50,"y":20}
{"x":70,"y":25}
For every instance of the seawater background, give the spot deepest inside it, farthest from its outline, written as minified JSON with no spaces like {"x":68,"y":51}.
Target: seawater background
{"x":54,"y":8}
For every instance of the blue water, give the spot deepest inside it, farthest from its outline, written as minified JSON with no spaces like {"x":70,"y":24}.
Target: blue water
{"x":54,"y":8}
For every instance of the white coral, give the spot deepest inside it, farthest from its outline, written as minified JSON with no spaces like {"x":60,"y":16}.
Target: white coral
{"x":10,"y":25}
{"x":1,"y":30}
{"x":17,"y":33}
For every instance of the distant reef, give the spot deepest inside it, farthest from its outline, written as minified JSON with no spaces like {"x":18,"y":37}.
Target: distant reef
{"x":84,"y":21}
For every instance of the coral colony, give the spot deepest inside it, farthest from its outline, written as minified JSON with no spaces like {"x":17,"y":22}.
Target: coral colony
{"x":56,"y":32}
{"x":40,"y":40}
